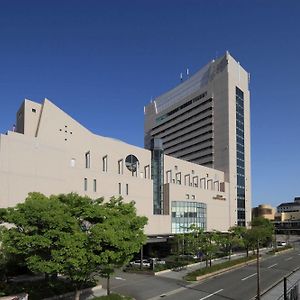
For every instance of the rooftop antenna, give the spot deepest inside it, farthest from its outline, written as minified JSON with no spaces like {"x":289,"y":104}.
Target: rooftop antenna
{"x":187,"y":72}
{"x":181,"y":76}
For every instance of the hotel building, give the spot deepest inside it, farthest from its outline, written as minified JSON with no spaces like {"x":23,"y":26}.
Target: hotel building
{"x":205,"y":120}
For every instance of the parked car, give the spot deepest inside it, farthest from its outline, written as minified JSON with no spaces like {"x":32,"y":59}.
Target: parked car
{"x":158,"y":261}
{"x":137,"y":263}
{"x":281,"y":243}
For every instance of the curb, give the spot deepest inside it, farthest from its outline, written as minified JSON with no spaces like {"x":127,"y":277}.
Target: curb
{"x":91,"y":290}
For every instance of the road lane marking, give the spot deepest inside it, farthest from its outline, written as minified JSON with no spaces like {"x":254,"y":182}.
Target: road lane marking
{"x":211,"y":294}
{"x":289,"y":258}
{"x":248,"y":276}
{"x":272,"y":266}
{"x":119,"y":278}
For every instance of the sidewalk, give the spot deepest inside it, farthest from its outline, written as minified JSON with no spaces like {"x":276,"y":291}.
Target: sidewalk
{"x":276,"y":293}
{"x":178,"y":275}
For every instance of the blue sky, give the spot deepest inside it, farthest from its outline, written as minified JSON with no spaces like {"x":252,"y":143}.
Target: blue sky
{"x":102,"y":61}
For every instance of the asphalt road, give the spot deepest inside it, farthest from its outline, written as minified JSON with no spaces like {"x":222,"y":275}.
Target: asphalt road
{"x":239,"y":284}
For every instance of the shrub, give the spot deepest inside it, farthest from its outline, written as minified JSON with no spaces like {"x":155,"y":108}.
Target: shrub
{"x":193,"y":275}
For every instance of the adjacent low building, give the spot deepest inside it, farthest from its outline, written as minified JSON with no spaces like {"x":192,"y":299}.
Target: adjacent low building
{"x":50,"y":152}
{"x":287,"y":218}
{"x":264,"y":210}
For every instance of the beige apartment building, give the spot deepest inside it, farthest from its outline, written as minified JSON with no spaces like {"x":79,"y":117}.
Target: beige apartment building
{"x":51,"y":153}
{"x":205,"y":120}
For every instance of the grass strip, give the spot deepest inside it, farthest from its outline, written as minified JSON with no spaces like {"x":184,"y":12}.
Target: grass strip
{"x":218,"y":267}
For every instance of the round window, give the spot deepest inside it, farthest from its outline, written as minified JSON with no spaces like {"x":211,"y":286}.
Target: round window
{"x":131,"y":163}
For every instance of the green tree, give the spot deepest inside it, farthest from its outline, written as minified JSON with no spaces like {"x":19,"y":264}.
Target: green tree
{"x":73,"y":235}
{"x":236,"y":238}
{"x":37,"y":226}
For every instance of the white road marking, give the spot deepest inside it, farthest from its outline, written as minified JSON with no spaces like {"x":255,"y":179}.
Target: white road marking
{"x":119,"y":278}
{"x":211,"y":294}
{"x":289,"y":258}
{"x":249,"y":276}
{"x":272,"y":266}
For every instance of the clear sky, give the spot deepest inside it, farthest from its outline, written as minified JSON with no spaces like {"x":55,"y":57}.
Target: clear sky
{"x":102,"y":61}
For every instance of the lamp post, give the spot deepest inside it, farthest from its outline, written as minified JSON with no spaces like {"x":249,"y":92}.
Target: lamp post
{"x":258,"y":271}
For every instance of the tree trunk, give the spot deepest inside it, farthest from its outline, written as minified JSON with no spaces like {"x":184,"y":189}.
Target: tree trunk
{"x":206,"y":262}
{"x":210,"y":261}
{"x":108,"y":284}
{"x":77,"y":294}
{"x":247,"y":251}
{"x":230,"y":254}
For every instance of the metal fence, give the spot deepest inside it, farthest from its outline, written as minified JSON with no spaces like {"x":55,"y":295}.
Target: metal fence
{"x":287,"y":289}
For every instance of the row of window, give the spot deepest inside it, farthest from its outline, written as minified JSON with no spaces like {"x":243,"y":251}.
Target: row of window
{"x":131,"y":163}
{"x":209,"y":132}
{"x":240,"y":153}
{"x":197,"y":129}
{"x":195,"y":181}
{"x":180,"y":124}
{"x":161,"y":118}
{"x":94,"y":187}
{"x":187,"y":147}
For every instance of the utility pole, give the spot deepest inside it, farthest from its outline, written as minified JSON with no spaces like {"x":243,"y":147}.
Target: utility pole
{"x":258,"y":271}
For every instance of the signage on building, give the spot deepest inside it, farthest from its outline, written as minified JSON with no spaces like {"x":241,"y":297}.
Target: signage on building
{"x":219,"y":197}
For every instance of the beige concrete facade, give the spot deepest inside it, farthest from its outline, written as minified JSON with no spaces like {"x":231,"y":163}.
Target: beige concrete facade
{"x":200,"y":121}
{"x":52,"y":153}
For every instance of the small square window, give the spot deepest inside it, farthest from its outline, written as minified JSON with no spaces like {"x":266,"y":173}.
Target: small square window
{"x":33,"y":110}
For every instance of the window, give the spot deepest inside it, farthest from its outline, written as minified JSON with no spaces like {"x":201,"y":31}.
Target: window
{"x":87,"y":160}
{"x":132,"y":163}
{"x":178,"y":177}
{"x":187,"y":196}
{"x":33,"y":110}
{"x":193,"y":197}
{"x":95,"y":185}
{"x":203,"y":183}
{"x":85,"y":184}
{"x":147,"y":172}
{"x":195,"y":181}
{"x":187,"y":180}
{"x":127,"y":189}
{"x":120,"y":166}
{"x":120,"y":188}
{"x":73,"y":162}
{"x":169,"y":176}
{"x":104,"y":163}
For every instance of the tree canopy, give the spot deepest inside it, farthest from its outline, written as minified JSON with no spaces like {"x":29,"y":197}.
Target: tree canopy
{"x":73,"y":235}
